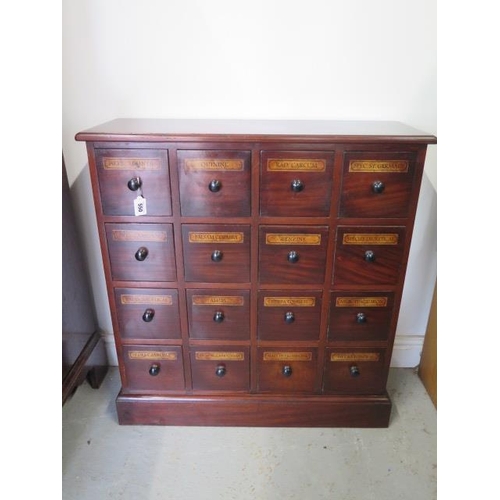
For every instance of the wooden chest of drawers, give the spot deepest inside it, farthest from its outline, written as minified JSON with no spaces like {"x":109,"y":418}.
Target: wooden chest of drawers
{"x":261,"y":283}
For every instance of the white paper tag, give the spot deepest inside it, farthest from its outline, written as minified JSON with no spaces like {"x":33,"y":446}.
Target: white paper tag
{"x":140,"y":206}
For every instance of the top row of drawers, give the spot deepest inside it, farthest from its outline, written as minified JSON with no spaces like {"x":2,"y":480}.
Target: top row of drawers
{"x":217,"y":183}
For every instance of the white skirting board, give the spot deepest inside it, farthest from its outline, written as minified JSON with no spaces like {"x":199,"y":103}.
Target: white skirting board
{"x":406,"y":352}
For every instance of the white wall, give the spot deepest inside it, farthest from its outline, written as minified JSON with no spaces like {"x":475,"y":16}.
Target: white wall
{"x":324,"y":59}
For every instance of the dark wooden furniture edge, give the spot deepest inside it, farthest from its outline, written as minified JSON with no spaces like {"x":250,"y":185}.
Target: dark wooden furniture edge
{"x":256,"y":411}
{"x":94,"y":374}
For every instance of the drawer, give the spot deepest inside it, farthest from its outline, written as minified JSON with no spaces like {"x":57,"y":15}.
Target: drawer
{"x":126,"y":173}
{"x":220,"y":368}
{"x":214,"y":183}
{"x":355,"y":371}
{"x":148,"y":313}
{"x":219,"y":314}
{"x":360,"y":316}
{"x":287,"y":369}
{"x":296,"y":183}
{"x":216,"y":253}
{"x":141,"y":252}
{"x":290,"y":315}
{"x":377,"y":184}
{"x":292,"y":254}
{"x":153,"y":368}
{"x":368,"y":255}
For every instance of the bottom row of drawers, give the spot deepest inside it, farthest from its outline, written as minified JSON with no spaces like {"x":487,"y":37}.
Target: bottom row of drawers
{"x":346,"y":370}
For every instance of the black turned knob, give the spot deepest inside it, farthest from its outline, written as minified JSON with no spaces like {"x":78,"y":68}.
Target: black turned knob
{"x":378,"y":187}
{"x":354,"y":370}
{"x":289,"y":317}
{"x":361,"y":318}
{"x":141,"y":254}
{"x":154,"y":370}
{"x":134,"y":184}
{"x":369,"y":256}
{"x":217,"y":255}
{"x":215,"y":186}
{"x":297,"y":185}
{"x":148,"y":315}
{"x":287,"y":371}
{"x":219,"y":316}
{"x":293,"y":256}
{"x":220,"y":371}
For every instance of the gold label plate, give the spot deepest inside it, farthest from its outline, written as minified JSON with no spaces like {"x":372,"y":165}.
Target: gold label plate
{"x":157,"y":300}
{"x":153,"y":355}
{"x":286,"y":356}
{"x":293,"y":239}
{"x":131,"y":163}
{"x":361,"y":302}
{"x":127,"y":235}
{"x":289,"y":301}
{"x":214,"y":165}
{"x":370,"y":239}
{"x":389,"y":166}
{"x":196,"y":237}
{"x":296,"y":165}
{"x":218,"y":300}
{"x":219,"y":356}
{"x":355,"y":356}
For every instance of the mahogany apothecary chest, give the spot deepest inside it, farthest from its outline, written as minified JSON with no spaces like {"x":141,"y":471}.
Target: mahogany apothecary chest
{"x":255,"y":268}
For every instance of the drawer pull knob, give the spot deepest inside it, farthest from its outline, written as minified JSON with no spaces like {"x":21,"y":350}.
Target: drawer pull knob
{"x":220,"y":371}
{"x":369,"y":256}
{"x":141,"y":254}
{"x":354,"y":371}
{"x":134,"y":184}
{"x":217,"y":256}
{"x":293,"y":256}
{"x":287,"y":371}
{"x":154,"y":370}
{"x":361,"y":318}
{"x":215,"y":186}
{"x":297,"y":186}
{"x":289,"y":317}
{"x":148,"y":315}
{"x":219,"y":317}
{"x":378,"y":187}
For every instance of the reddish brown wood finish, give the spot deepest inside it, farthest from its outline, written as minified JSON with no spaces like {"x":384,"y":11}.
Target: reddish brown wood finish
{"x":229,"y":173}
{"x":360,"y":322}
{"x":116,"y":167}
{"x":234,"y":263}
{"x":220,"y":314}
{"x":125,"y":240}
{"x":148,"y":313}
{"x":220,"y":374}
{"x":296,"y":170}
{"x":289,"y":315}
{"x":275,"y":262}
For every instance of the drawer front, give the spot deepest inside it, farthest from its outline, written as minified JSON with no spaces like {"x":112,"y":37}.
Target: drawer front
{"x":126,"y":173}
{"x":292,"y":254}
{"x":216,"y":253}
{"x":219,"y":314}
{"x":287,"y":369}
{"x":368,"y":255}
{"x":141,"y":252}
{"x":290,"y":315}
{"x":153,"y":368}
{"x":355,"y":371}
{"x":220,"y":368}
{"x":360,"y":316}
{"x":214,"y":183}
{"x":296,"y":182}
{"x":377,"y":184}
{"x":148,"y":313}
